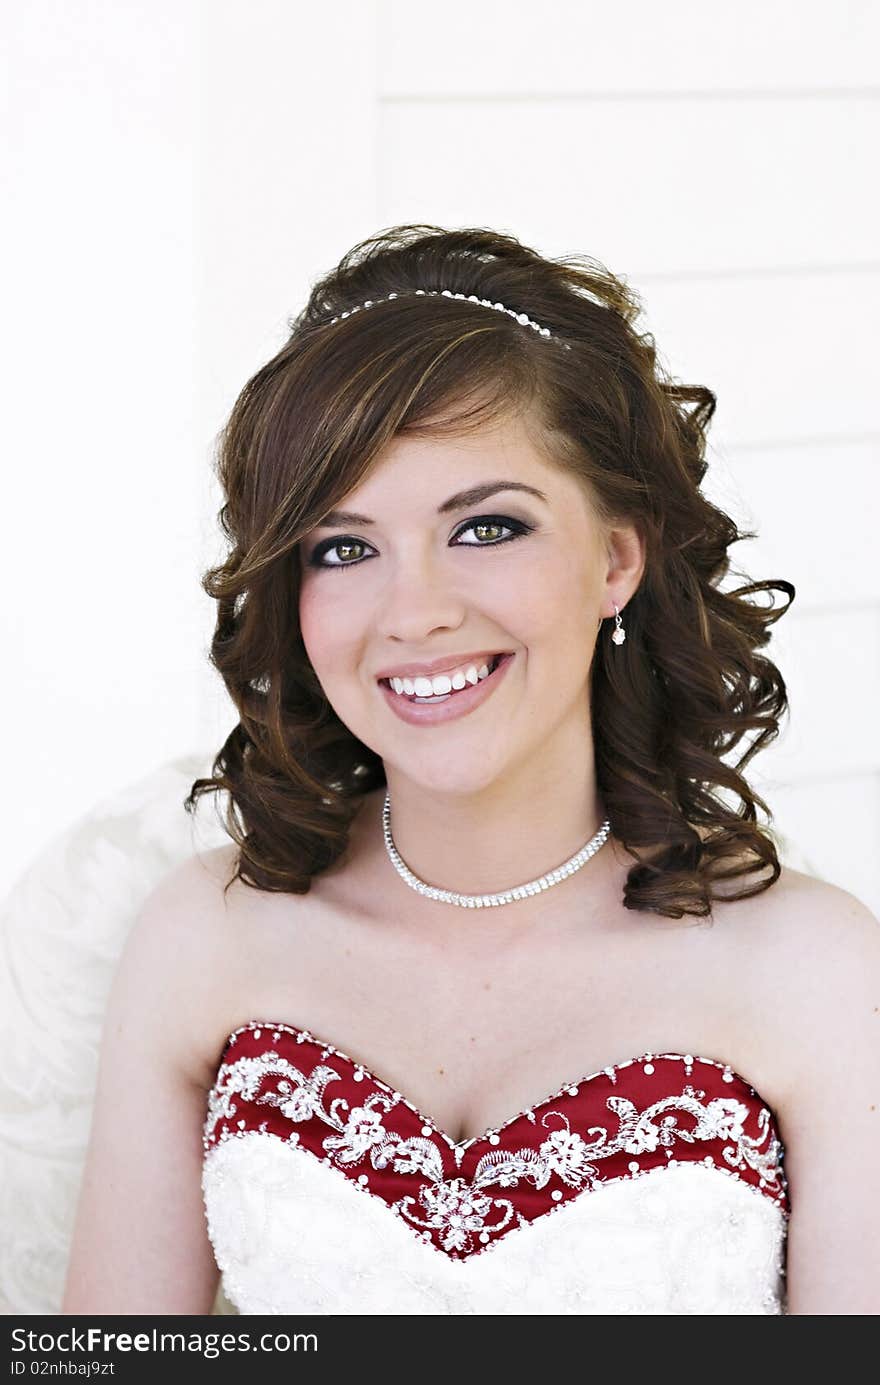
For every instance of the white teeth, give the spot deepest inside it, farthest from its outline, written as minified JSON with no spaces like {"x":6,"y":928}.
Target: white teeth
{"x":442,"y":684}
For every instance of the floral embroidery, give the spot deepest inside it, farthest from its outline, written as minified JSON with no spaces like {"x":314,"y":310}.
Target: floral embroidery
{"x":417,"y":1155}
{"x":455,"y":1209}
{"x":363,"y":1133}
{"x":461,"y":1209}
{"x":721,"y":1119}
{"x":566,"y":1155}
{"x":297,"y":1097}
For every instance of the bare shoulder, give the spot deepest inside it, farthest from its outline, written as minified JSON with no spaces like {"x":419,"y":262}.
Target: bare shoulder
{"x":814,"y":974}
{"x":140,"y":1242}
{"x":833,"y":957}
{"x":188,"y":906}
{"x":221,"y":952}
{"x":180,"y":951}
{"x":809,"y":953}
{"x":804,"y":921}
{"x":204,"y":871}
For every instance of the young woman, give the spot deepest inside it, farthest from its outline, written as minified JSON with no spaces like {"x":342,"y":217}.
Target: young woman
{"x":498,"y":935}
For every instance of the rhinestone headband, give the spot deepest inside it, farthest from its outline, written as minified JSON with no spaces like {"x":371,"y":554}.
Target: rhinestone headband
{"x":465,"y":297}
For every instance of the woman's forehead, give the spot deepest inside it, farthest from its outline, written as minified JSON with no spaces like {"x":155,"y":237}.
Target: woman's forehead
{"x":436,"y":470}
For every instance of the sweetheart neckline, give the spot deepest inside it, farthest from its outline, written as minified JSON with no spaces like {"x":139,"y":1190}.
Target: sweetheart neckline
{"x":459,"y":1146}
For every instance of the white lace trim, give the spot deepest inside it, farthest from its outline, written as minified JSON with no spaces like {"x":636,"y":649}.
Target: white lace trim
{"x":293,"y":1142}
{"x":288,"y":1238}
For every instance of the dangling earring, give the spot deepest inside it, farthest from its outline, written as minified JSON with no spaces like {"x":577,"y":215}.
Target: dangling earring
{"x":618,"y":634}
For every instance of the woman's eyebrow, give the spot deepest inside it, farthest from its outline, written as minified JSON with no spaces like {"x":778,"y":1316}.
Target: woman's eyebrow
{"x":462,"y":500}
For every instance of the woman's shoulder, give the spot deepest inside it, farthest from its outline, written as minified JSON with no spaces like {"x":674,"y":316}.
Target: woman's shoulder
{"x":189,"y":904}
{"x":196,"y":944}
{"x":203,"y":871}
{"x":799,"y":918}
{"x":816,"y":1005}
{"x":807,"y":953}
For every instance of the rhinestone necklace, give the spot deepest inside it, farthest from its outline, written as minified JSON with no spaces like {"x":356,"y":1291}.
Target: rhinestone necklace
{"x":486,"y":901}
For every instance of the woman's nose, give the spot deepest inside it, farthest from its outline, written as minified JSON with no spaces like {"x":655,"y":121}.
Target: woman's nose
{"x":418,"y":599}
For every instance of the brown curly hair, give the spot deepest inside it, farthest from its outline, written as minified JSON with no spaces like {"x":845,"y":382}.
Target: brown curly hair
{"x":680,"y":693}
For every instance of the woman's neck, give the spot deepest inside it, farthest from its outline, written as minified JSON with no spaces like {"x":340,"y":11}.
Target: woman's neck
{"x":507,"y":833}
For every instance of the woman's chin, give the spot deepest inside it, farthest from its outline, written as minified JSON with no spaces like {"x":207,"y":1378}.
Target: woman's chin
{"x":456,"y":782}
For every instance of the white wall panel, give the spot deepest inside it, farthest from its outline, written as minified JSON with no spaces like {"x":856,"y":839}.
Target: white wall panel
{"x":285,"y":172}
{"x":100,"y":612}
{"x":649,"y":186}
{"x":835,"y":825}
{"x":492,"y":47}
{"x":830,"y":661}
{"x":814,"y":508}
{"x":790,"y":356}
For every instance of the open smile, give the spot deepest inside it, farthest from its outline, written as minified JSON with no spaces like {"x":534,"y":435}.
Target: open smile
{"x":447,"y":706}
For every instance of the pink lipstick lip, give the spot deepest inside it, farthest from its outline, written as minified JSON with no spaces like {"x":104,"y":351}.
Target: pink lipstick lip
{"x":450,"y":707}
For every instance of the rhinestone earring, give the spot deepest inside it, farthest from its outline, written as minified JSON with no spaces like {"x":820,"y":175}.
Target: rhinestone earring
{"x":618,"y":634}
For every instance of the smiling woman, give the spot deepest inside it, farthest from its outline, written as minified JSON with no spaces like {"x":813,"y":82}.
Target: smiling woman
{"x":596,"y":459}
{"x":491,"y":834}
{"x":505,"y":603}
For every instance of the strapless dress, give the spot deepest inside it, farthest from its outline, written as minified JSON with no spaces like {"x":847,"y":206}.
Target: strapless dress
{"x":653,"y":1186}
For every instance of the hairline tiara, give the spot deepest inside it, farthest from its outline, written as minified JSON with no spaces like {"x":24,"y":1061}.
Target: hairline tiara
{"x":465,"y":297}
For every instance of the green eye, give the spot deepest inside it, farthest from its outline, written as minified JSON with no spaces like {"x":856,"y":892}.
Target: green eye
{"x":483,"y":525}
{"x":347,"y":544}
{"x":343,"y":545}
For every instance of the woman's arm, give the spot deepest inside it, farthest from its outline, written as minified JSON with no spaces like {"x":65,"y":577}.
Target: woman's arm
{"x":829,"y":998}
{"x":140,"y":1242}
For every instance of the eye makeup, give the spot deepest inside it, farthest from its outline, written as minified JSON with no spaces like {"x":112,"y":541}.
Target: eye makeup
{"x":517,"y":527}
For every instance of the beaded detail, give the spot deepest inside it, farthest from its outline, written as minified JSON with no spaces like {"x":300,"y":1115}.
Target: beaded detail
{"x":462,"y":1198}
{"x":520,"y":317}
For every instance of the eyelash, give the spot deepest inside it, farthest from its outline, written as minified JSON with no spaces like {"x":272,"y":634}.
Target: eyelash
{"x":518,"y":527}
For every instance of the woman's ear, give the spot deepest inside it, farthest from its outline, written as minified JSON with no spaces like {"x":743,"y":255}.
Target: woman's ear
{"x":625,"y":567}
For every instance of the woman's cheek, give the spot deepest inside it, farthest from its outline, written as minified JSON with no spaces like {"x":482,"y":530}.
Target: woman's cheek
{"x":538,"y":598}
{"x":331,"y":632}
{"x":563,"y":590}
{"x":321,"y":627}
{"x":309,"y":624}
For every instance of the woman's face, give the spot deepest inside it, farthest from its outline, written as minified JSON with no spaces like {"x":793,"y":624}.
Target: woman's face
{"x":407,"y":577}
